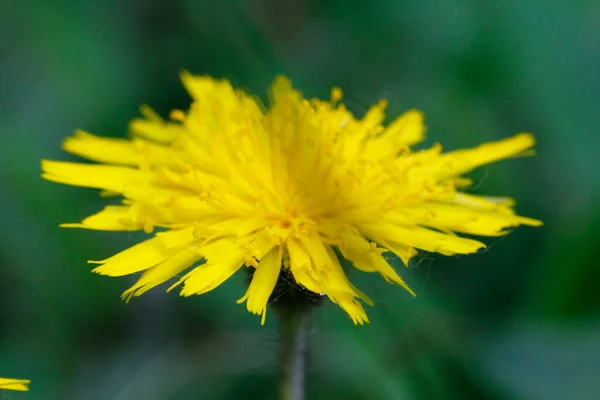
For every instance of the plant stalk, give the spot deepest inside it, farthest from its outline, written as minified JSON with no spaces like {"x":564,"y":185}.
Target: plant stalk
{"x":294,"y":328}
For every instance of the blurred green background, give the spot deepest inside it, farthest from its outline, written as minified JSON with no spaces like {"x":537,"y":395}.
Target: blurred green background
{"x":518,"y":321}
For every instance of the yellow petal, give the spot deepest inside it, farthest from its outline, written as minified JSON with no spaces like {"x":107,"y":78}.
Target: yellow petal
{"x":112,"y":218}
{"x":117,"y":151}
{"x":405,"y":131}
{"x":481,"y":202}
{"x":347,"y":301}
{"x":345,"y":294}
{"x":334,"y":280}
{"x":146,"y":254}
{"x":153,"y":127}
{"x":223,"y":258}
{"x":15,"y":384}
{"x":169,"y":268}
{"x":404,"y":252}
{"x":203,"y":87}
{"x":263,"y":282}
{"x":261,"y":244}
{"x":367,"y":257}
{"x":338,"y":270}
{"x":462,"y":161}
{"x":370,"y":124}
{"x":131,"y":183}
{"x":108,"y":177}
{"x":461,"y":182}
{"x":421,"y":238}
{"x":302,"y":267}
{"x":458,"y":218}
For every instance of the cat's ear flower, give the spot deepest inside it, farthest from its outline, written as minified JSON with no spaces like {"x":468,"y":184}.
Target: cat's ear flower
{"x":296,"y":185}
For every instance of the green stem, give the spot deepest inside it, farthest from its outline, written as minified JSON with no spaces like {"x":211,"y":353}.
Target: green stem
{"x":294,"y":326}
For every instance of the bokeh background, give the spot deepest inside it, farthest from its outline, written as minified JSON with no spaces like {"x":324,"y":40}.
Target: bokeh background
{"x":517,"y":321}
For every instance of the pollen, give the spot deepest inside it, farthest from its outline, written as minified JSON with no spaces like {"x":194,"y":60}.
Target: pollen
{"x":301,"y":184}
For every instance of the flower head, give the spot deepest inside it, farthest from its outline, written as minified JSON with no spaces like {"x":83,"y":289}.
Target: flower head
{"x":298,"y":185}
{"x":14,"y":384}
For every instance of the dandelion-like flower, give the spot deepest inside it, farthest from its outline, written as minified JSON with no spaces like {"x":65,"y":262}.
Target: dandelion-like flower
{"x":298,"y":185}
{"x":14,"y":384}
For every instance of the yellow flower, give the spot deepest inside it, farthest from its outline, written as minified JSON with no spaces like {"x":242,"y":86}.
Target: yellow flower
{"x":232,"y":183}
{"x":14,"y":384}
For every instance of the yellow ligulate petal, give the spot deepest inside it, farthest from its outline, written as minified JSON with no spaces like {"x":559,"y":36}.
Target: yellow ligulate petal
{"x":302,"y":267}
{"x":169,"y":268}
{"x":334,"y":280}
{"x":367,"y":257}
{"x":106,"y":177}
{"x":131,"y":183}
{"x":15,"y":384}
{"x":203,"y":87}
{"x":109,"y":150}
{"x":343,"y":293}
{"x":462,"y":161}
{"x":479,"y":202}
{"x":118,"y":151}
{"x":339,"y":271}
{"x":405,"y":131}
{"x":239,"y":226}
{"x":347,"y":301}
{"x":421,"y":238}
{"x":503,"y":204}
{"x":146,"y":254}
{"x":404,"y":252}
{"x":370,"y":124}
{"x":112,"y":218}
{"x":223,"y":258}
{"x":461,"y":182}
{"x":458,"y":218}
{"x":263,"y":282}
{"x":261,"y":244}
{"x":530,"y":221}
{"x":153,"y":127}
